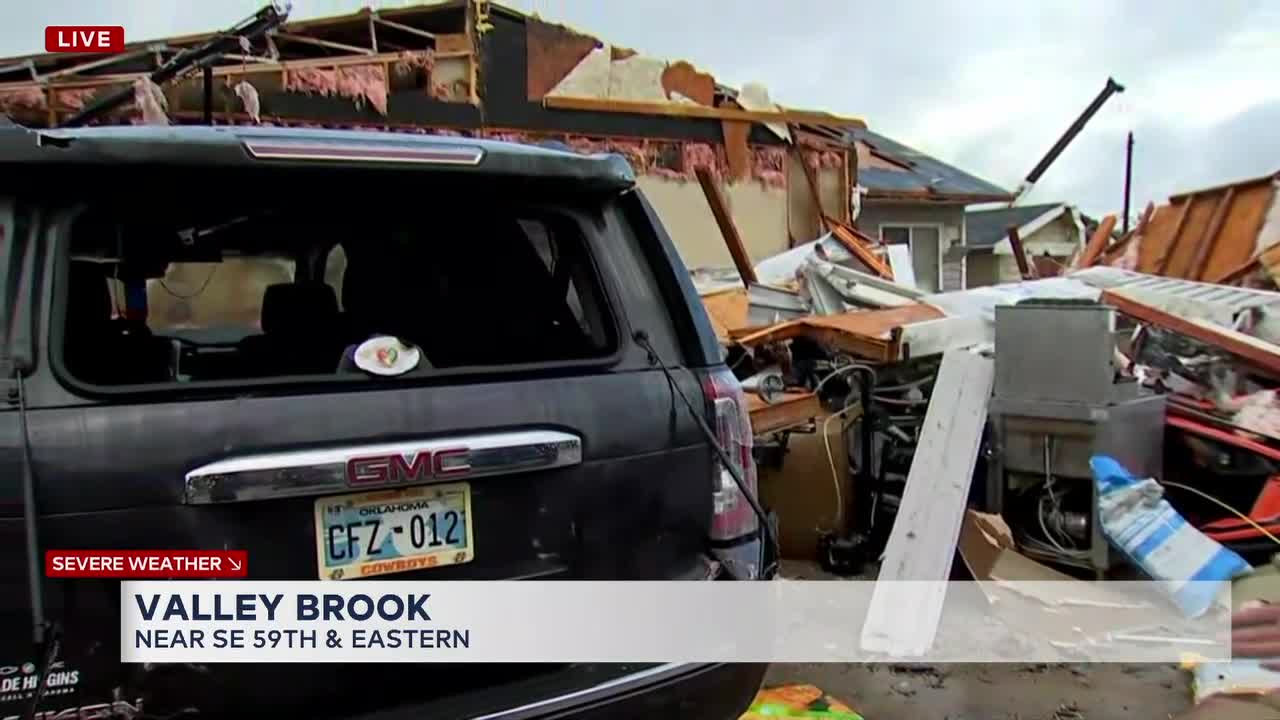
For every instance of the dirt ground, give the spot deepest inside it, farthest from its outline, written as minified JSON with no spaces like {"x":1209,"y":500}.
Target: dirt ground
{"x":991,"y":691}
{"x":998,"y":692}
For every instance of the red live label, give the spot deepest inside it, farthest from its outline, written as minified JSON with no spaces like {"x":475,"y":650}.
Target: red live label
{"x":146,"y":563}
{"x":84,"y":38}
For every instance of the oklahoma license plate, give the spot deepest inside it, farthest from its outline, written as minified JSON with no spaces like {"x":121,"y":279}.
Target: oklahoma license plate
{"x":393,"y":531}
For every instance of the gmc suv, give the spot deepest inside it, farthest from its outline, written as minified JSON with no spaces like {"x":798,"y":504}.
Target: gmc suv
{"x":233,"y":338}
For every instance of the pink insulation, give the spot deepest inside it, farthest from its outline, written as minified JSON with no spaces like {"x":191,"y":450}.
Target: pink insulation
{"x":1128,"y":260}
{"x":22,"y":98}
{"x":361,"y":83}
{"x":310,"y":80}
{"x":151,"y":102}
{"x":364,"y":82}
{"x":73,"y":98}
{"x":825,"y":159}
{"x":248,"y":95}
{"x":410,"y":61}
{"x":698,"y":155}
{"x":769,"y":165}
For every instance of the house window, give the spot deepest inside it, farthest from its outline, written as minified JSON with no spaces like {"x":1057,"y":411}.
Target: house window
{"x":926,"y":251}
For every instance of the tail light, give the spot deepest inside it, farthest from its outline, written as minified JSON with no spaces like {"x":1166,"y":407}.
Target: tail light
{"x":735,"y":536}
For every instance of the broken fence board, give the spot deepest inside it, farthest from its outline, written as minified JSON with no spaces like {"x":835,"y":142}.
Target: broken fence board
{"x":903,"y":618}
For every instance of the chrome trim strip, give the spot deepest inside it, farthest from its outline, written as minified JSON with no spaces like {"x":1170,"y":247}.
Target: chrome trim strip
{"x":596,"y":692}
{"x":282,"y":149}
{"x":324,"y":471}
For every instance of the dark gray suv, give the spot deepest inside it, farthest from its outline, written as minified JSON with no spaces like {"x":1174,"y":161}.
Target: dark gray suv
{"x":230,"y":338}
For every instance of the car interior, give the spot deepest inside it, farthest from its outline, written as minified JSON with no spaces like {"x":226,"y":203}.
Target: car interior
{"x":256,"y":296}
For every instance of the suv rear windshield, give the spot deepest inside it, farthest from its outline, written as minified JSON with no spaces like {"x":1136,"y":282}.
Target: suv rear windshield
{"x":278,"y":292}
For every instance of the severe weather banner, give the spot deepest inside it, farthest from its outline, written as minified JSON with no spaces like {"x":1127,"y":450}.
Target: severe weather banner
{"x":571,"y":621}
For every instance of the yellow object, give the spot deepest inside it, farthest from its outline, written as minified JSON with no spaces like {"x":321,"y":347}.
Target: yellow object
{"x":798,"y":701}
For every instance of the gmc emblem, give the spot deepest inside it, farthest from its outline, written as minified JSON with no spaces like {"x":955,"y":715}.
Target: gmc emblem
{"x":398,"y":469}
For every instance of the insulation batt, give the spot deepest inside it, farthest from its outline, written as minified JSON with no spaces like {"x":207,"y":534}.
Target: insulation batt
{"x":359,"y":82}
{"x":248,"y":95}
{"x":22,"y":98}
{"x":767,"y":165}
{"x":150,"y":100}
{"x":698,"y":155}
{"x":825,"y":159}
{"x":74,"y":98}
{"x":409,"y":61}
{"x":364,"y":82}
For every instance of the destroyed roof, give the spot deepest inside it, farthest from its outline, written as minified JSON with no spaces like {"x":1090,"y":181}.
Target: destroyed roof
{"x":891,"y":170}
{"x":235,"y":146}
{"x":985,"y":228}
{"x":1209,"y":234}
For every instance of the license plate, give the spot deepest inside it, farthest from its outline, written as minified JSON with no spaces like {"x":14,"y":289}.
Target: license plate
{"x":393,"y":531}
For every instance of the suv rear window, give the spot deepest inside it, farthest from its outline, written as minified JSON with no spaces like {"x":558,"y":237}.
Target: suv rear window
{"x":270,"y":294}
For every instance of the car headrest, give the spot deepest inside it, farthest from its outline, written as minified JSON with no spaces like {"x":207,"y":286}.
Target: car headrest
{"x":298,"y":307}
{"x":88,"y":297}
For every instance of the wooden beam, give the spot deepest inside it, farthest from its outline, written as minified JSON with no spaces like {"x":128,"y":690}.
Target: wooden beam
{"x":671,"y":109}
{"x":373,"y":33}
{"x":1260,"y":353}
{"x":849,"y":238}
{"x":324,"y":43}
{"x":405,"y":28}
{"x":249,"y":58}
{"x":790,"y":410}
{"x":1097,"y":243}
{"x":720,"y":209}
{"x":812,"y":182}
{"x":1019,"y":255}
{"x":1234,"y":275}
{"x":101,"y":62}
{"x":1210,"y":237}
{"x":1163,"y":261}
{"x":922,"y":543}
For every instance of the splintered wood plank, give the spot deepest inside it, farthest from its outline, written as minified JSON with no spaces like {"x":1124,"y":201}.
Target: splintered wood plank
{"x":1209,"y":241}
{"x":790,"y":410}
{"x":736,"y":151}
{"x":903,"y":619}
{"x":720,"y":209}
{"x":1098,"y":242}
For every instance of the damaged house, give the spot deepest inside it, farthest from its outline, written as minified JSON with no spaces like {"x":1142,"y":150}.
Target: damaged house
{"x":472,"y":68}
{"x":469,"y":67}
{"x":1051,"y":235}
{"x":909,"y":198}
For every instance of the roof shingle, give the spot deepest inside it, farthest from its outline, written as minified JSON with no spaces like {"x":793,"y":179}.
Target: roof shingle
{"x":985,"y":228}
{"x":898,"y":169}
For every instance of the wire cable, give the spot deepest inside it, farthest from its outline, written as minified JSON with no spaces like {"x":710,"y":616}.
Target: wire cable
{"x":844,"y":369}
{"x":1224,"y":506}
{"x":831,"y":461}
{"x":197,"y":293}
{"x":766,"y":528}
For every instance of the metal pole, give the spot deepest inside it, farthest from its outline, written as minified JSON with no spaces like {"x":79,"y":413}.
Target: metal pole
{"x":208,"y":95}
{"x":1128,"y":182}
{"x":1112,"y":87}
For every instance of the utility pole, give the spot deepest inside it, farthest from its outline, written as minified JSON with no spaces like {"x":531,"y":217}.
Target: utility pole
{"x":1128,"y":182}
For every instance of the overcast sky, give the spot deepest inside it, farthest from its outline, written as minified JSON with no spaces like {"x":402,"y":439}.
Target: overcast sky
{"x":985,"y":85}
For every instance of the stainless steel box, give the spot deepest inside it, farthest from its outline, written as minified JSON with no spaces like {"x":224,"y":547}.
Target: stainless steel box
{"x":1055,"y":352}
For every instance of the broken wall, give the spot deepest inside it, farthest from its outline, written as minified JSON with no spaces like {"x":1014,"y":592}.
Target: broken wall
{"x":829,"y":172}
{"x":759,"y":211}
